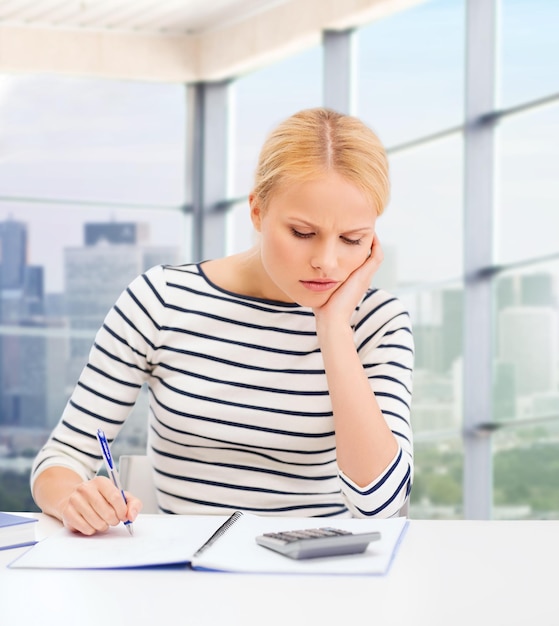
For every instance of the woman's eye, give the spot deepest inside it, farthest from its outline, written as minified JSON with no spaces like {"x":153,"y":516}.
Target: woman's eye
{"x":351,"y":242}
{"x":300,"y":234}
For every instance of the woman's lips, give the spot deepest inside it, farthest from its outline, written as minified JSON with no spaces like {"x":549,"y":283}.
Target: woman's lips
{"x":319,"y":285}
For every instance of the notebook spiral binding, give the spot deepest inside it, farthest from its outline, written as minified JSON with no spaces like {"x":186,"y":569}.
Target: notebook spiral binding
{"x":219,"y":532}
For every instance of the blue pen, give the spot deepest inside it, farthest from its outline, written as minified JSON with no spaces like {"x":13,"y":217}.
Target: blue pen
{"x":111,"y":470}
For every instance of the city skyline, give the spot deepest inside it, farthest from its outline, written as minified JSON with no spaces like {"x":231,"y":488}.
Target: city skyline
{"x":113,"y":253}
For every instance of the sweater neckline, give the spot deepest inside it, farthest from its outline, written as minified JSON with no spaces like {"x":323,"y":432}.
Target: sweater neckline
{"x":240,"y":296}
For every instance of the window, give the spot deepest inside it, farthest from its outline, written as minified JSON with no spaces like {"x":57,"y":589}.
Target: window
{"x":410,"y":71}
{"x":91,"y":194}
{"x":529,"y":51}
{"x":262,"y":99}
{"x":527,"y":218}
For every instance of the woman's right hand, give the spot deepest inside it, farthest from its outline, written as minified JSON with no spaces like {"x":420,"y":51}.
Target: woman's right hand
{"x":95,"y":505}
{"x":86,"y":507}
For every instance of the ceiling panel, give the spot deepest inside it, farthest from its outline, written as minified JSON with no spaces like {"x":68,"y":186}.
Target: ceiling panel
{"x":141,"y":16}
{"x":169,"y":40}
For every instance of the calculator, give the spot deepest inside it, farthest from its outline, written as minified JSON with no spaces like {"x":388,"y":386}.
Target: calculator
{"x":317,"y":542}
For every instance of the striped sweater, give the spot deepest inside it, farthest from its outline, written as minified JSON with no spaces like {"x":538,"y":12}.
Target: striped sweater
{"x":239,"y":411}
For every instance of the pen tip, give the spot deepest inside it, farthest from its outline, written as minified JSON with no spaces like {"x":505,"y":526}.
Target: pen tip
{"x":130,"y":529}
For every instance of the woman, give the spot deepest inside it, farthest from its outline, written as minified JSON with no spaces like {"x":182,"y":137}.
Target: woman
{"x":279,"y":383}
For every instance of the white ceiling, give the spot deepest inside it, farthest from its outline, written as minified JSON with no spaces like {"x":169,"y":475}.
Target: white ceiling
{"x":169,"y":40}
{"x":136,"y":16}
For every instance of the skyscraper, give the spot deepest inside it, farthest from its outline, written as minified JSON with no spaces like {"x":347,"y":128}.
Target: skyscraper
{"x":13,"y":254}
{"x":23,"y":343}
{"x":115,"y":233}
{"x":96,"y":274}
{"x":538,"y":289}
{"x":528,"y":341}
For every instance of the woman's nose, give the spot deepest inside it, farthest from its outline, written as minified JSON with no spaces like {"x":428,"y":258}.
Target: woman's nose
{"x":324,"y":256}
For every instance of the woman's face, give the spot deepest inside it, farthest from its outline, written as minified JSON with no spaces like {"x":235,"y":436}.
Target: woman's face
{"x":314,"y":234}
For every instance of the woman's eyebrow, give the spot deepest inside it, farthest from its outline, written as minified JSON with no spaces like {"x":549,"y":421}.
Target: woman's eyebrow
{"x":362,"y":229}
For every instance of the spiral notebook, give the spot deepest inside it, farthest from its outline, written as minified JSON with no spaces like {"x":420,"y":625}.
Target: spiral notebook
{"x":211,"y":543}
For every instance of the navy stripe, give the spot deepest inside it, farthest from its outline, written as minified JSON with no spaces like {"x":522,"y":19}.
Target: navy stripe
{"x":215,"y":359}
{"x":113,"y":378}
{"x":378,"y":484}
{"x":219,"y":318}
{"x":118,"y":359}
{"x":104,"y":397}
{"x":131,"y":324}
{"x":373,"y":311}
{"x":251,"y":450}
{"x":232,"y":383}
{"x":391,"y":379}
{"x":391,"y":499}
{"x":278,"y":431}
{"x":236,"y":466}
{"x":82,"y":409}
{"x":380,"y":329}
{"x":243,"y":344}
{"x":250,"y":407}
{"x":71,"y":447}
{"x":283,"y":509}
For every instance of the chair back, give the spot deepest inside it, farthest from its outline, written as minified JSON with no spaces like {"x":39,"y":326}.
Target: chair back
{"x":136,"y":475}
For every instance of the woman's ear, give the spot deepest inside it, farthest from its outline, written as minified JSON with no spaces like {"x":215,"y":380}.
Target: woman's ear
{"x":255,"y":212}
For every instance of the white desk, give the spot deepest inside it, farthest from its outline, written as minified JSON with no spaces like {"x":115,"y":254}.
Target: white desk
{"x":445,"y":573}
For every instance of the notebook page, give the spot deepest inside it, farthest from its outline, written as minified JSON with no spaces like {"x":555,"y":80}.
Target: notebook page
{"x":237,"y":551}
{"x":157,"y":540}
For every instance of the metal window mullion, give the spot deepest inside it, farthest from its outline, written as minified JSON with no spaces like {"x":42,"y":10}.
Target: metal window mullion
{"x":481,"y":17}
{"x":209,"y":166}
{"x":195,"y":161}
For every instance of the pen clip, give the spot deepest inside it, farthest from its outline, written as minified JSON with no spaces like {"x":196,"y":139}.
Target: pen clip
{"x":105,"y":448}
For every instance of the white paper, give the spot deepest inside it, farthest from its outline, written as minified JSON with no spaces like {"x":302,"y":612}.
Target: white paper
{"x":157,"y":540}
{"x":224,"y":555}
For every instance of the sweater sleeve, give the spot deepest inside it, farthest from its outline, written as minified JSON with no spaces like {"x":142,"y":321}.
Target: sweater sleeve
{"x":384,"y":342}
{"x":119,"y":363}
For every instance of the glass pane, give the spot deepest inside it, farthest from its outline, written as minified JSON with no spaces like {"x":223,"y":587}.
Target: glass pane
{"x":73,"y":152}
{"x":421,"y":229}
{"x":265,"y":98}
{"x":437,"y":488}
{"x":437,"y":321}
{"x":436,"y":414}
{"x":87,"y":139}
{"x":526,"y":368}
{"x":410,"y":71}
{"x":240,"y":232}
{"x":526,"y":466}
{"x":61,"y":270}
{"x":528,"y":186}
{"x":529,"y":52}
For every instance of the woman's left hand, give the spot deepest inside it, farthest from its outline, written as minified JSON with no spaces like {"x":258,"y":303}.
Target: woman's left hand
{"x":342,"y":302}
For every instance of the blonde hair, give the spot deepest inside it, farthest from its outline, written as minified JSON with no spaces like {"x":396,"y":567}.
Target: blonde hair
{"x":316,"y":141}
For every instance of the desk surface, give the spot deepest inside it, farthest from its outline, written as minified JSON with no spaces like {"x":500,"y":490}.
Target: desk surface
{"x":446,"y":572}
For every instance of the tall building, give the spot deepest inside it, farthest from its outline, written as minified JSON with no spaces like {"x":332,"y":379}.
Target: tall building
{"x":115,"y":233}
{"x":23,"y":363}
{"x":528,"y":341}
{"x":438,"y":335}
{"x":538,"y":289}
{"x":452,"y":327}
{"x":505,"y":293}
{"x":13,"y":254}
{"x":34,"y":290}
{"x":533,"y":289}
{"x":96,"y":274}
